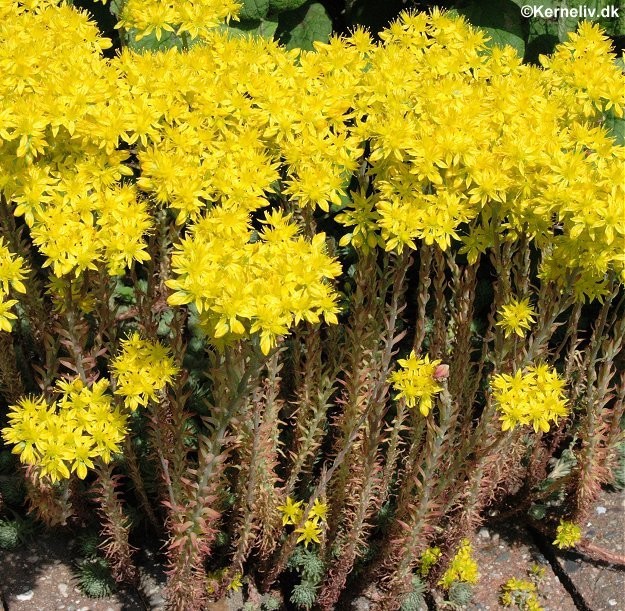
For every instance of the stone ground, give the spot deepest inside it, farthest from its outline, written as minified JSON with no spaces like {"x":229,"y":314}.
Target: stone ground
{"x":39,"y":576}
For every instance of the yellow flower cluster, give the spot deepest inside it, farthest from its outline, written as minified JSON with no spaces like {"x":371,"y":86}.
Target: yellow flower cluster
{"x":462,"y":567}
{"x":195,"y":18}
{"x":428,"y":559}
{"x":362,"y":217}
{"x":568,"y":534}
{"x":12,"y":272}
{"x":200,"y":137}
{"x":460,"y":134}
{"x":416,"y":382}
{"x":292,"y":513}
{"x":534,"y":396}
{"x":64,"y":436}
{"x":63,"y":113}
{"x":460,"y":141}
{"x":239,"y":286}
{"x":520,"y":593}
{"x":516,"y":316}
{"x":582,"y":68}
{"x":141,"y":370}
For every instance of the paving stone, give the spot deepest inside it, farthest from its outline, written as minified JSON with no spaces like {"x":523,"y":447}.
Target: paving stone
{"x":601,"y":588}
{"x":232,"y":602}
{"x":45,"y":584}
{"x":506,"y":552}
{"x":507,"y":555}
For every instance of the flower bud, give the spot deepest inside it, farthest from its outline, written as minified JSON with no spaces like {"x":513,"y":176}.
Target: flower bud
{"x":441,"y":372}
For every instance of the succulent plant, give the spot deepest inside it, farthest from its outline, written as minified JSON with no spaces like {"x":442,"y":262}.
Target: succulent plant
{"x":9,"y":535}
{"x":271,"y":603}
{"x":414,"y":601}
{"x":12,"y":489}
{"x":304,"y":594}
{"x":87,"y":544}
{"x":14,"y":532}
{"x":460,"y":593}
{"x":94,"y":577}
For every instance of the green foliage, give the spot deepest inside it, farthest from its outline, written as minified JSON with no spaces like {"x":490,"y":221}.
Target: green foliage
{"x":265,"y":28}
{"x":14,"y":533}
{"x":87,"y":544}
{"x":222,"y":539}
{"x":311,"y":568}
{"x":302,"y":27}
{"x":460,"y":593}
{"x":616,"y":126}
{"x":307,"y":563}
{"x":537,"y":511}
{"x":561,"y":467}
{"x":271,"y":603}
{"x":414,"y":601}
{"x":9,"y":535}
{"x":304,"y":594}
{"x":94,"y":577}
{"x":279,"y":6}
{"x":12,"y":489}
{"x":253,"y":9}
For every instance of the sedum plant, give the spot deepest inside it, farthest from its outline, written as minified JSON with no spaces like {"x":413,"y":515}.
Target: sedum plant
{"x":94,"y":577}
{"x":242,"y":290}
{"x":15,"y":532}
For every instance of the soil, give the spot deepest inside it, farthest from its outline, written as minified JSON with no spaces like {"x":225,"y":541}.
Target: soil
{"x":40,"y":576}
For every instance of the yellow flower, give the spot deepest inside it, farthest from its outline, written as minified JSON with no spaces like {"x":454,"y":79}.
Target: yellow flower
{"x":235,"y":584}
{"x":361,"y":216}
{"x":520,"y":593}
{"x":568,"y":535}
{"x":516,"y":317}
{"x":319,"y":511}
{"x":291,"y":511}
{"x":12,"y":271}
{"x":428,"y":559}
{"x":462,"y":567}
{"x":65,"y":436}
{"x":416,"y":381}
{"x":271,"y":283}
{"x":309,"y":533}
{"x":142,"y":369}
{"x":534,"y":396}
{"x":5,"y":315}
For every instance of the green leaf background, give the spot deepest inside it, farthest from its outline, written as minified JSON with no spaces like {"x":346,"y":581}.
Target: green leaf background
{"x":302,"y":27}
